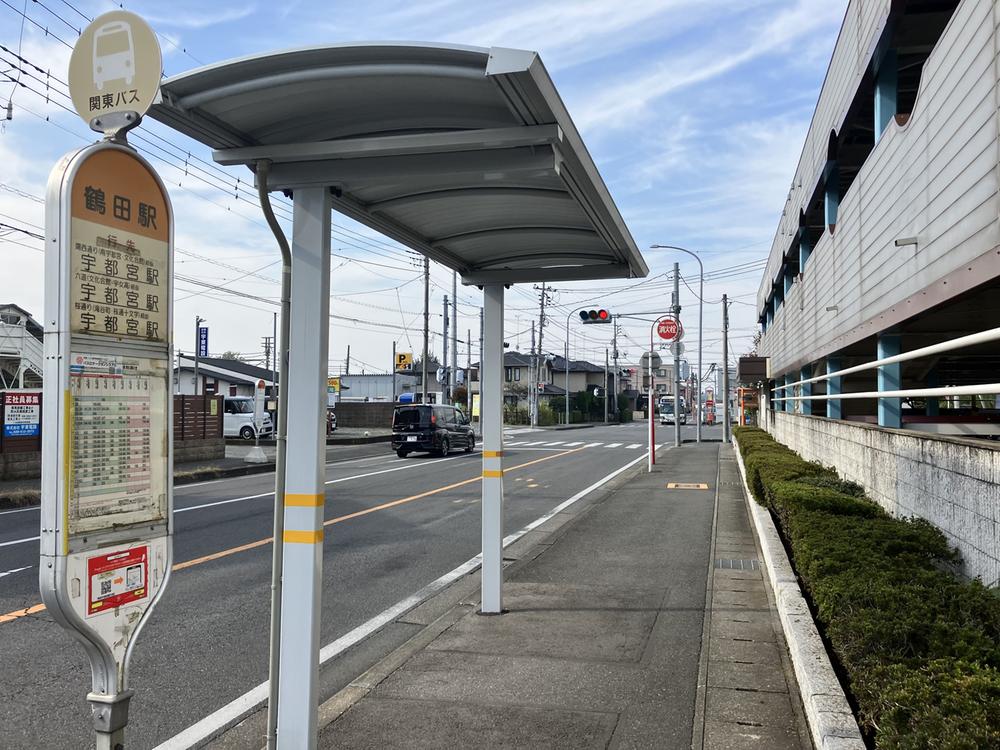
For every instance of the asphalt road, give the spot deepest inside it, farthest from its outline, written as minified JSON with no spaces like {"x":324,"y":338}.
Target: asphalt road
{"x":207,"y":641}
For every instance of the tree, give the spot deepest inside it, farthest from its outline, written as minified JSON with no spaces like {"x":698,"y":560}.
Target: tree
{"x":460,"y":395}
{"x":232,"y":355}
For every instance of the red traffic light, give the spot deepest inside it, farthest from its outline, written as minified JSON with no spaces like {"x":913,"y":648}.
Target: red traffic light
{"x":595,"y":316}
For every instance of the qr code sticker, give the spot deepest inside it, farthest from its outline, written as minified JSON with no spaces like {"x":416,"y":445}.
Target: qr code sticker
{"x":106,"y":587}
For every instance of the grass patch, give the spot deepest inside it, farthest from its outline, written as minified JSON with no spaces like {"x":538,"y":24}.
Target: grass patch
{"x":20,"y":498}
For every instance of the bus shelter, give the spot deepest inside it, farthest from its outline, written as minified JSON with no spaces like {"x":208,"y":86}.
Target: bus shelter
{"x":466,"y":155}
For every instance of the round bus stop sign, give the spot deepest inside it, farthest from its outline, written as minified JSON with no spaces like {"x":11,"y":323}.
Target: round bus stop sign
{"x":670,"y":329}
{"x":114,"y":71}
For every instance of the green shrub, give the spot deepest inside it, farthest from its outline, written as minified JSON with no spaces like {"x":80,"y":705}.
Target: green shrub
{"x":835,"y":483}
{"x":946,"y":703}
{"x":787,"y":498}
{"x":921,"y":648}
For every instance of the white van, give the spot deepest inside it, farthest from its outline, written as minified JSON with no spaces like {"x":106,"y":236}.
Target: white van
{"x":237,"y":420}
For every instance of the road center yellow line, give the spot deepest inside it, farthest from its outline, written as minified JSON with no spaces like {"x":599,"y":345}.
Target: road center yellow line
{"x":19,"y":613}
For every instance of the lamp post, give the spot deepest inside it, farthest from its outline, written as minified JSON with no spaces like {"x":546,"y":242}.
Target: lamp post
{"x":701,"y":303}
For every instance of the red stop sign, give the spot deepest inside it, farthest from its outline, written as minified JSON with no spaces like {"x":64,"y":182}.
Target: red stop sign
{"x":669,"y":329}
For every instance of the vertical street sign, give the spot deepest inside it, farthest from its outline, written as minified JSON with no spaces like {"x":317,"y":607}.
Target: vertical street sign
{"x":202,"y":341}
{"x":107,"y":502}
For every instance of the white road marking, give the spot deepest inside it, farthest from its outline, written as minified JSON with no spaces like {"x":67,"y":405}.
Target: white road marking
{"x":234,"y":712}
{"x":15,"y":570}
{"x":19,"y":510}
{"x":19,"y":541}
{"x":557,"y":442}
{"x":538,"y":442}
{"x":570,"y":445}
{"x":594,"y":445}
{"x":634,"y":445}
{"x":613,"y":445}
{"x":516,"y":442}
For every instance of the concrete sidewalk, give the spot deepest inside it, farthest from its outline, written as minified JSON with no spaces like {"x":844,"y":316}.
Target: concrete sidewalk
{"x":640,"y":620}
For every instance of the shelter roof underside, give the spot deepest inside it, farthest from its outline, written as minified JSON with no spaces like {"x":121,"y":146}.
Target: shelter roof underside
{"x":466,"y":155}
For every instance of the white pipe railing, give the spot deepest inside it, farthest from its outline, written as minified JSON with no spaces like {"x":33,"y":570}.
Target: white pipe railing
{"x":955,"y":390}
{"x":972,"y":339}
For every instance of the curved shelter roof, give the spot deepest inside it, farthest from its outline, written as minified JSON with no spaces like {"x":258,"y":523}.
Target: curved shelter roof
{"x":464,"y":154}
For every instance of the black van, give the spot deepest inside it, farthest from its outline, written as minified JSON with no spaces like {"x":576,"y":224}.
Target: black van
{"x":427,"y":427}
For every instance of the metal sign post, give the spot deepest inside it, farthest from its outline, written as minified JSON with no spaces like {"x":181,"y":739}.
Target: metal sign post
{"x":107,"y":502}
{"x":106,"y":526}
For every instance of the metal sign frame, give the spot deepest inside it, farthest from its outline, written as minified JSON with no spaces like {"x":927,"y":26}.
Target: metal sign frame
{"x":69,"y":561}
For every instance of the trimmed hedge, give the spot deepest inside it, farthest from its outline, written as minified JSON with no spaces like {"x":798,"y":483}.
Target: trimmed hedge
{"x":920,"y":648}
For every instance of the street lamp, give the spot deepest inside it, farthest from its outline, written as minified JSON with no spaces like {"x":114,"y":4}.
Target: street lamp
{"x":701,"y":303}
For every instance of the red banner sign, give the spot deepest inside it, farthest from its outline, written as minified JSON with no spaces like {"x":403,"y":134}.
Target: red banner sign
{"x":117,"y":578}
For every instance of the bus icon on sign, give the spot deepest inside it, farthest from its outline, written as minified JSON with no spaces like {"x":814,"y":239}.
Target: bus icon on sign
{"x":114,"y":54}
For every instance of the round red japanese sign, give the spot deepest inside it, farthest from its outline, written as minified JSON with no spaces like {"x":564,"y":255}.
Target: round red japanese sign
{"x":670,"y":329}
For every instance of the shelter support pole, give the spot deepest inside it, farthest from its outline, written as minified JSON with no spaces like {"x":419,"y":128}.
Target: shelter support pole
{"x":302,"y":541}
{"x":834,"y":410}
{"x":890,"y":379}
{"x":805,"y":389}
{"x":886,"y":70}
{"x":491,"y":406}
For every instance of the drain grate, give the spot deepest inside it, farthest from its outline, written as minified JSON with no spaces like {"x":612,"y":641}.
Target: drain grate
{"x":729,"y":564}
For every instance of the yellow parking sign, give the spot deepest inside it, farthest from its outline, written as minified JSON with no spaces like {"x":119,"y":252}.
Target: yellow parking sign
{"x":404,"y":360}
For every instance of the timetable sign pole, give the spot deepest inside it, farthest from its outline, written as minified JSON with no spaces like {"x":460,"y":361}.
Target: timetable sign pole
{"x":107,"y":502}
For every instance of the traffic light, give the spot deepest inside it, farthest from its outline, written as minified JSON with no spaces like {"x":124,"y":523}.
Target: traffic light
{"x":595,"y":316}
{"x":541,"y":387}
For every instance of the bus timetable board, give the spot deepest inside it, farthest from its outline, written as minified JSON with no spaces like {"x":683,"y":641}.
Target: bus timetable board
{"x":106,"y":526}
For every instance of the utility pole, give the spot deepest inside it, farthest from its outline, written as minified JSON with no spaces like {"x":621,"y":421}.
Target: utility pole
{"x":274,"y":372}
{"x":605,"y":386}
{"x":468,"y":379}
{"x":614,"y":356}
{"x":453,"y":373}
{"x":533,"y":388}
{"x":427,"y":330}
{"x":676,"y":310}
{"x":393,"y":395}
{"x":347,"y":363}
{"x":197,"y":350}
{"x":267,"y":351}
{"x":538,"y":359}
{"x":446,"y":386}
{"x":725,"y":369}
{"x":482,"y":323}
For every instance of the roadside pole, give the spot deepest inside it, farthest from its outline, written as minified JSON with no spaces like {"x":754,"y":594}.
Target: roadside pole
{"x":605,"y":386}
{"x":725,"y":369}
{"x":446,"y":385}
{"x":392,"y":396}
{"x":676,"y":310}
{"x":427,"y":332}
{"x":197,"y":351}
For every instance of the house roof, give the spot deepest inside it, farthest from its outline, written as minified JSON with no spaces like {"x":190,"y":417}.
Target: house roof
{"x":246,"y":371}
{"x":575,"y":365}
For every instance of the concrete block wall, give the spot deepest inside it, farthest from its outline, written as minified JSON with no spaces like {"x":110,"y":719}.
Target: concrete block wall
{"x":952,"y":482}
{"x":21,"y":465}
{"x":199,"y":450}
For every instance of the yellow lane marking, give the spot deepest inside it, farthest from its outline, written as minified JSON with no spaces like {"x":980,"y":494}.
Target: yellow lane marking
{"x":261,"y":542}
{"x":303,"y":537}
{"x":21,"y":613}
{"x":305,"y":501}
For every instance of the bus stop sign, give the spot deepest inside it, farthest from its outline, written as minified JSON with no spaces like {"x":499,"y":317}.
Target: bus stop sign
{"x":107,"y":503}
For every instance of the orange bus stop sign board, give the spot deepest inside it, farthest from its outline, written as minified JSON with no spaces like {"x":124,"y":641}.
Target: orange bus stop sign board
{"x":119,"y":250}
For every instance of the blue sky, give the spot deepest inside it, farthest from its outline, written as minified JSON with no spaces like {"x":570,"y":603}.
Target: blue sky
{"x":695,"y":112}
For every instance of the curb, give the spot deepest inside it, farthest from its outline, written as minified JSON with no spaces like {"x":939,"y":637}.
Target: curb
{"x":329,"y":440}
{"x":829,"y":715}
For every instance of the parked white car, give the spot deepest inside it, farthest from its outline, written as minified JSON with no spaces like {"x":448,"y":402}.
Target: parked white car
{"x":237,"y":420}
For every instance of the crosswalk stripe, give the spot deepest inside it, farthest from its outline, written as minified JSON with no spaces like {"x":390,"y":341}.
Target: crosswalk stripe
{"x":557,"y":442}
{"x":525,"y":445}
{"x":516,"y":442}
{"x":570,"y":445}
{"x":634,"y":445}
{"x":613,"y":445}
{"x":592,"y":445}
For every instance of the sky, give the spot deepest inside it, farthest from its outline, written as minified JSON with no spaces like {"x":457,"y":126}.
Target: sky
{"x":695,"y":112}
